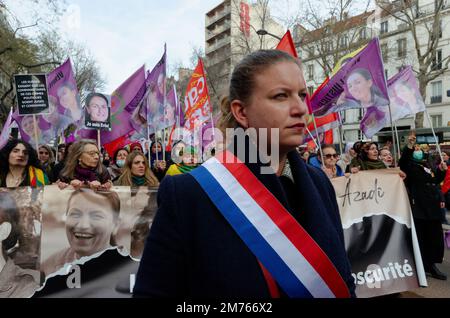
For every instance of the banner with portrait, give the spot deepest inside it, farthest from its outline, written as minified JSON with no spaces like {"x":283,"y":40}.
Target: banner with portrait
{"x":97,"y":111}
{"x":64,"y":99}
{"x":359,"y":83}
{"x":76,"y":243}
{"x":380,"y":237}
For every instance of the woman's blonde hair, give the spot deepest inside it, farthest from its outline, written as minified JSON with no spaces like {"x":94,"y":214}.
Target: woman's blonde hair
{"x":126,"y":177}
{"x":51,"y":156}
{"x":243,"y":78}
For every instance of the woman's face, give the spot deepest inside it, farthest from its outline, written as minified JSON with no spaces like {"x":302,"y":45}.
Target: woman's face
{"x":90,"y":156}
{"x":386,"y":157}
{"x":156,"y":147}
{"x":67,"y":98}
{"x":43,"y":155}
{"x":330,"y":156}
{"x":445,"y":156}
{"x":359,"y":87}
{"x":18,"y":156}
{"x":98,"y":109}
{"x":190,"y":159}
{"x":404,"y":93}
{"x":27,"y":125}
{"x":122,"y":155}
{"x":138,"y":166}
{"x":278,"y":102}
{"x":372,"y":154}
{"x":90,"y":223}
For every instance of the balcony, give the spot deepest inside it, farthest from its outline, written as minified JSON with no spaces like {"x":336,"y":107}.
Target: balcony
{"x":430,"y":9}
{"x":218,"y":16}
{"x":436,"y":99}
{"x":217,"y":45}
{"x":218,"y":30}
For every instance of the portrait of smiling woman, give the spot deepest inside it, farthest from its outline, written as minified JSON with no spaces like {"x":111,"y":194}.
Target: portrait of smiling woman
{"x":92,"y":220}
{"x":97,"y":108}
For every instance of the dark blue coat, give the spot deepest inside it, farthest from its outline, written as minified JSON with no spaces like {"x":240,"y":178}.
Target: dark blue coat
{"x":192,"y":251}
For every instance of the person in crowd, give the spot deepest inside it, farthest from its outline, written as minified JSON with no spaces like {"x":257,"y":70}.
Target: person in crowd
{"x":189,"y":162}
{"x":106,"y":159}
{"x":92,"y":221}
{"x":346,"y":158}
{"x":158,"y":165}
{"x":136,"y":146}
{"x":194,"y":250}
{"x":15,"y":282}
{"x":328,"y":163}
{"x":63,"y":150}
{"x":83,"y":168}
{"x":426,"y":203}
{"x":20,"y":166}
{"x":97,"y":108}
{"x":136,"y":172}
{"x":116,"y":169}
{"x":70,"y":100}
{"x":386,"y":157}
{"x":47,"y":160}
{"x":367,"y":159}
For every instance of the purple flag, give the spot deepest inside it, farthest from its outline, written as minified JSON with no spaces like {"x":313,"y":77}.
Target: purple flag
{"x":64,"y":100}
{"x":405,"y":101}
{"x":171,"y":108}
{"x":404,"y":94}
{"x":154,"y":102}
{"x":124,"y":101}
{"x":360,"y":83}
{"x":6,"y":130}
{"x":27,"y":131}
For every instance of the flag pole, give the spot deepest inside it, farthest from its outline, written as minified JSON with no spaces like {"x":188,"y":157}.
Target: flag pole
{"x":393,"y":136}
{"x":398,"y":139}
{"x":434,"y":135}
{"x":318,"y":138}
{"x":35,"y":132}
{"x":341,"y":134}
{"x":98,"y":140}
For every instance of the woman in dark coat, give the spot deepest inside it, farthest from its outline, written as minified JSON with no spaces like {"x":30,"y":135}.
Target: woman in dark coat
{"x":426,"y":203}
{"x":195,"y":248}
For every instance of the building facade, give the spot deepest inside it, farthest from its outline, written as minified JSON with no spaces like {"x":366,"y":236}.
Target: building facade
{"x":230,"y":33}
{"x":398,"y":50}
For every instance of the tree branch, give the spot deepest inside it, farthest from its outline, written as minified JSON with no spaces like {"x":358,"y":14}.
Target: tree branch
{"x":39,"y":65}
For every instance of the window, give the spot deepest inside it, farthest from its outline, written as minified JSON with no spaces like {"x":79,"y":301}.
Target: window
{"x":436,"y":92}
{"x":386,"y":73}
{"x":362,"y":34}
{"x":440,"y":29}
{"x":310,"y":90}
{"x":437,"y":61}
{"x":436,"y":120}
{"x":343,"y":41}
{"x":328,"y":46}
{"x":401,"y":44}
{"x":311,"y":51}
{"x":384,"y":52}
{"x":384,"y":27}
{"x":311,"y":71}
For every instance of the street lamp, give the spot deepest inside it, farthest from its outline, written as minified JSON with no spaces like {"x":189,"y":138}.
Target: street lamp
{"x":264,"y":32}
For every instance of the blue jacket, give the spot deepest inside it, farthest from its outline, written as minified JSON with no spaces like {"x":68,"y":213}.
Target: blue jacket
{"x":314,"y":161}
{"x":192,"y":251}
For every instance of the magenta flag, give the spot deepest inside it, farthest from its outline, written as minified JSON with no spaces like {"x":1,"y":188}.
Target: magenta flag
{"x":64,"y":100}
{"x":6,"y":130}
{"x":359,"y":83}
{"x":170,"y":110}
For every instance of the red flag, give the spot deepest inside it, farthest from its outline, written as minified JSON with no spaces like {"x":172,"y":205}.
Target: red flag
{"x":119,"y":143}
{"x":196,"y":102}
{"x":287,"y":45}
{"x":324,"y":123}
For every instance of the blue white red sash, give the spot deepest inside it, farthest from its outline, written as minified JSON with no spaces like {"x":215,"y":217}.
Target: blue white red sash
{"x":280,"y":243}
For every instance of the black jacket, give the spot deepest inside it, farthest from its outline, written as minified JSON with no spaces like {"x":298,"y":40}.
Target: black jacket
{"x":192,"y":251}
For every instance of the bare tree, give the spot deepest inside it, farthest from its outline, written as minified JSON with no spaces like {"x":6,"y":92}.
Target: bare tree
{"x":334,"y":34}
{"x":424,"y":23}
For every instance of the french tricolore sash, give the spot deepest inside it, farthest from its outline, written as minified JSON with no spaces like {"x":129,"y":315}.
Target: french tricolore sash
{"x":279,"y":242}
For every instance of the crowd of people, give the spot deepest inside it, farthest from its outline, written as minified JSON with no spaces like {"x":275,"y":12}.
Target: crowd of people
{"x":191,"y":249}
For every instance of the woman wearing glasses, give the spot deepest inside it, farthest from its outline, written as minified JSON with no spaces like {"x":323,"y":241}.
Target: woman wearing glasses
{"x":83,"y":168}
{"x":328,"y":163}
